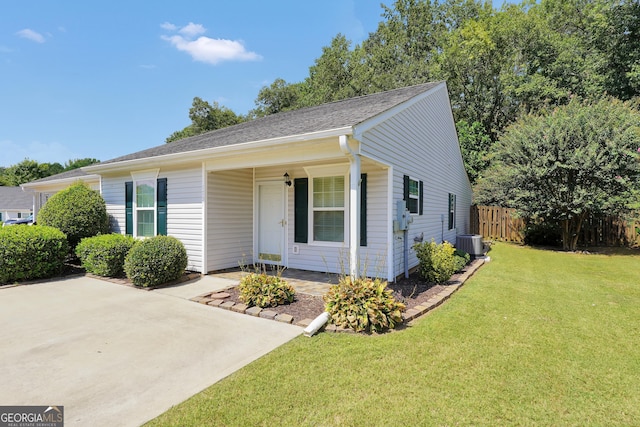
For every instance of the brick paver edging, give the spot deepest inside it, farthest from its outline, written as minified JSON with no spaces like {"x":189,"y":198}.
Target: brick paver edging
{"x":217,"y":299}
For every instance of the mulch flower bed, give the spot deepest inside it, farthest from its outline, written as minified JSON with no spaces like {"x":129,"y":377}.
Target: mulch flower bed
{"x":412,"y":292}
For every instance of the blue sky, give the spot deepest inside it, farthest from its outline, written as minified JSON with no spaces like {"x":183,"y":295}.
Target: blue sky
{"x":102,"y":79}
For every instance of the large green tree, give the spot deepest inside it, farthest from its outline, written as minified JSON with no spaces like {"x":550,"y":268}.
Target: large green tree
{"x":206,"y":117}
{"x":576,"y":160}
{"x":27,"y":171}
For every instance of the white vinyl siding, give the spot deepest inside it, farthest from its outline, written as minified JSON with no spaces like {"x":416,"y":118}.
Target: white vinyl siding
{"x":335,"y":259}
{"x":184,"y":208}
{"x":421,"y":142}
{"x":230,"y":218}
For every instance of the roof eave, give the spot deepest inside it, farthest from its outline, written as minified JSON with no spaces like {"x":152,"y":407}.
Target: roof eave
{"x":71,"y":180}
{"x":225,"y":149}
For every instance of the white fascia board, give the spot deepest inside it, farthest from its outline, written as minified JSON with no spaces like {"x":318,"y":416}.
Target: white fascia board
{"x":200,"y":154}
{"x":57,"y":182}
{"x":361,"y":128}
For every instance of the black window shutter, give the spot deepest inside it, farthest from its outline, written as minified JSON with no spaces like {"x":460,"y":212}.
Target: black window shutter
{"x":405,"y":191}
{"x":363,"y":209}
{"x":128,"y":207}
{"x":301,"y":214}
{"x":162,"y":206}
{"x":421,"y":197}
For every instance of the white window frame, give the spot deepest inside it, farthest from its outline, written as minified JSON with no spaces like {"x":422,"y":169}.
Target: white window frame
{"x":416,"y":197}
{"x":150,"y":175}
{"x":327,"y":171}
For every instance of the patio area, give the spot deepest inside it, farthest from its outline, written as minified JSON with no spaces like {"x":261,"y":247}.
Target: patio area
{"x":307,"y":282}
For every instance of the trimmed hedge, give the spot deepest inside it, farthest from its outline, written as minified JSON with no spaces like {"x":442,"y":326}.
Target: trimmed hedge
{"x":77,"y":211}
{"x":31,"y":252}
{"x":104,"y":255}
{"x":437,"y":261}
{"x":156,"y":261}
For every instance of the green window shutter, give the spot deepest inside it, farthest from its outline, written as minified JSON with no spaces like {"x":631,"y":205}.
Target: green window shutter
{"x":363,"y":209}
{"x":128,"y":207}
{"x":162,"y":206}
{"x":301,"y":215}
{"x":421,"y":198}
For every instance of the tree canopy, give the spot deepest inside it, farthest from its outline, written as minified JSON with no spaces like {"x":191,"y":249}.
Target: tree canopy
{"x":579,"y":159}
{"x":30,"y":170}
{"x":499,"y":64}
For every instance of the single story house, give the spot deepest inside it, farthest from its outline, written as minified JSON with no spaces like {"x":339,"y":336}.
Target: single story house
{"x":14,"y":203}
{"x":344,"y":187}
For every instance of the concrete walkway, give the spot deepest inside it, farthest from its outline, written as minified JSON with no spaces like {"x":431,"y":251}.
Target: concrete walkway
{"x":113,"y":355}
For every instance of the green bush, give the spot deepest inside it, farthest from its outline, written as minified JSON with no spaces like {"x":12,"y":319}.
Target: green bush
{"x":104,"y":255}
{"x":265,"y":291}
{"x":155,"y":261}
{"x":77,"y":211}
{"x":461,"y":258}
{"x":31,"y":252}
{"x":363,"y":305}
{"x":437,"y":261}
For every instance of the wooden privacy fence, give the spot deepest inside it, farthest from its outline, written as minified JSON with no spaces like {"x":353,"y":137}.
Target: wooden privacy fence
{"x":497,"y":223}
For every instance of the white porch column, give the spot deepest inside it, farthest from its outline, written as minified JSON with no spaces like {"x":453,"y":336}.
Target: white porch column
{"x":354,"y":207}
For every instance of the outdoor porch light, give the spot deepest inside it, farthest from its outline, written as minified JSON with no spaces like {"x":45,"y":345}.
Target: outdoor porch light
{"x":287,"y":180}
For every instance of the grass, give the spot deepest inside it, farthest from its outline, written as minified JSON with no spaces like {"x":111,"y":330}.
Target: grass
{"x":534,"y":338}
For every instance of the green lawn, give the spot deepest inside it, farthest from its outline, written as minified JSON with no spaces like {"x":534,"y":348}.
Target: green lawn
{"x":534,"y":338}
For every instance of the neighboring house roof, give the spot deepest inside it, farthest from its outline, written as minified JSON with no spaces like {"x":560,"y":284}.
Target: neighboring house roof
{"x":14,"y":198}
{"x":334,"y":115}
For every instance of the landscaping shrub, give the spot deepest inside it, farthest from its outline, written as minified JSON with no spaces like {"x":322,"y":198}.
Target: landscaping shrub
{"x":461,"y":258}
{"x":31,"y":252}
{"x":265,"y":291}
{"x":363,"y":304}
{"x":104,"y":255}
{"x":437,"y":261}
{"x":77,"y":211}
{"x":156,"y":261}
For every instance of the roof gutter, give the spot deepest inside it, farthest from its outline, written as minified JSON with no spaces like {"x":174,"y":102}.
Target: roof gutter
{"x":199,"y":154}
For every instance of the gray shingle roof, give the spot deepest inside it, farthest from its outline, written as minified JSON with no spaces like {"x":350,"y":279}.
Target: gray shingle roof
{"x":15,"y":198}
{"x":334,"y":115}
{"x":74,"y":173}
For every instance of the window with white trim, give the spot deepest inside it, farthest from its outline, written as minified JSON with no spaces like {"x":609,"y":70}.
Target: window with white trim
{"x":328,"y":209}
{"x":328,"y":203}
{"x":145,"y":207}
{"x":414,"y":196}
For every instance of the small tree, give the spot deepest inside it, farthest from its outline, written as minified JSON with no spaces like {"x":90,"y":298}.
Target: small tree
{"x":77,"y":211}
{"x":577,"y":160}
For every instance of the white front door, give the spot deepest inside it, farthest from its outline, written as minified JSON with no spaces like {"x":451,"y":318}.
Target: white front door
{"x":271,"y":222}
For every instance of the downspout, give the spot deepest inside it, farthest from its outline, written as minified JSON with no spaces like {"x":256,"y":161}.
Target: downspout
{"x":354,"y":205}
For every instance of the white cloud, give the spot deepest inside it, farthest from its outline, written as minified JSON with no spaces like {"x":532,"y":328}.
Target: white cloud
{"x":168,"y":26}
{"x":192,"y":30}
{"x":31,"y":35}
{"x":206,"y":49}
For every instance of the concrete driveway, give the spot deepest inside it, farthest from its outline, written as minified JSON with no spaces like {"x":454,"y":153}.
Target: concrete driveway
{"x":118,"y":356}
